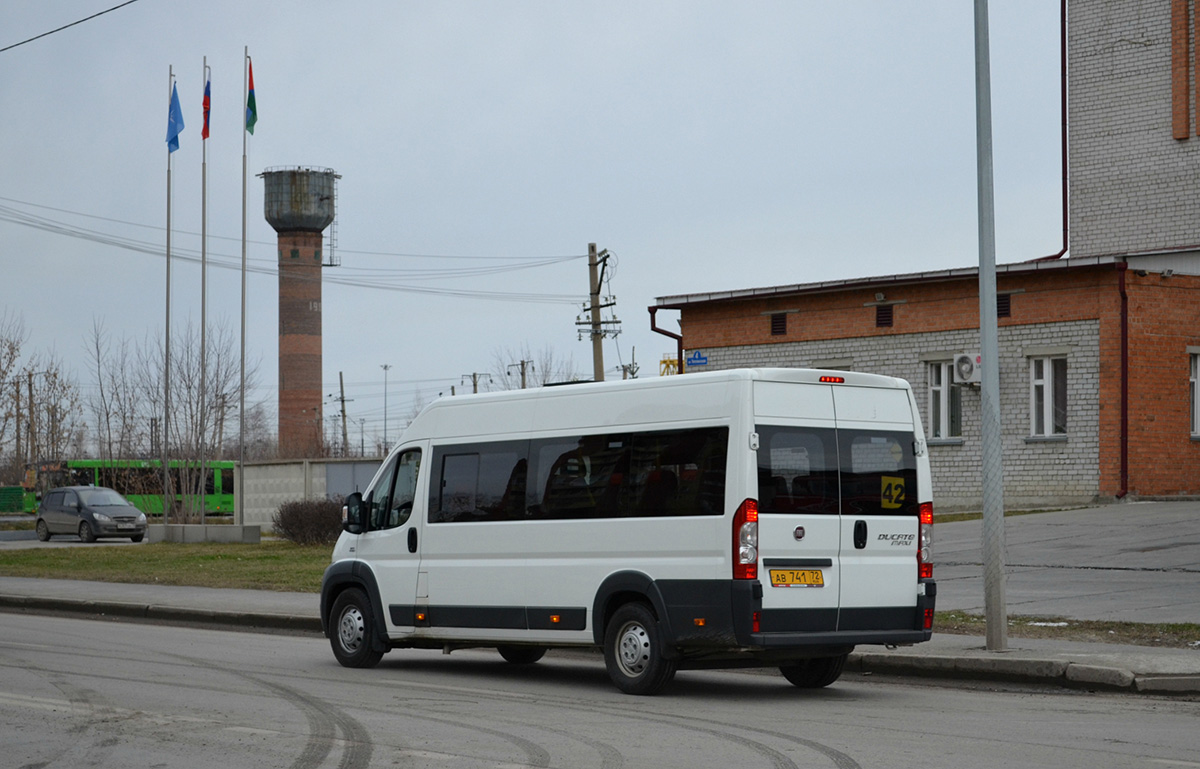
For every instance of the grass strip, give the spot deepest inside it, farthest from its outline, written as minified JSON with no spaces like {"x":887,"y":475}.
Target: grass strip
{"x":1166,"y":635}
{"x":270,"y":565}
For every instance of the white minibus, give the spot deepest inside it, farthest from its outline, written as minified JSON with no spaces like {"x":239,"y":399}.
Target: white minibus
{"x":757,"y":517}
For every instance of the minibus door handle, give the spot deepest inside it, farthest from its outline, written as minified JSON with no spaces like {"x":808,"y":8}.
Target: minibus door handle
{"x":412,"y":540}
{"x":860,"y":535}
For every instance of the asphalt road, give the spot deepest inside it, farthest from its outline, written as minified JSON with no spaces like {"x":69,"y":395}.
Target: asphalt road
{"x":95,"y":693}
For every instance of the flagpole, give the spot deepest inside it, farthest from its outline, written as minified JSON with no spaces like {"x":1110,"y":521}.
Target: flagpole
{"x":240,"y":517}
{"x":203,"y":412}
{"x":166,"y":429}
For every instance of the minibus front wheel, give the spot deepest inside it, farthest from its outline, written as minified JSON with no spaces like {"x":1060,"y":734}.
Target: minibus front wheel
{"x":633,"y":651}
{"x":352,"y":629}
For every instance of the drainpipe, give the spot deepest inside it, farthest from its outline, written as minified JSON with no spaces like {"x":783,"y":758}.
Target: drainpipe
{"x":1122,"y":268}
{"x":677,"y":337}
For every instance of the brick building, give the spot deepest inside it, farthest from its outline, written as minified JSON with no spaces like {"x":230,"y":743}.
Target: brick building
{"x":1099,"y":351}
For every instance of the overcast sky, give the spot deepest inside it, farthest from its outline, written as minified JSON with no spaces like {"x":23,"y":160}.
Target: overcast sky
{"x":708,"y":145}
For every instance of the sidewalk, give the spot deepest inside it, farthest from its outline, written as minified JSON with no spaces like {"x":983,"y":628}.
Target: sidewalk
{"x":1136,"y":563}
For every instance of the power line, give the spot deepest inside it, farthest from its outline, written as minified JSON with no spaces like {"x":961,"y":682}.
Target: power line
{"x":493,"y":257}
{"x":67,"y":26}
{"x":377,"y":279}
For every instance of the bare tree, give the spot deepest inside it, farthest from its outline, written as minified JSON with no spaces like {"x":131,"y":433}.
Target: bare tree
{"x":56,"y":429}
{"x":260,"y":441}
{"x":122,"y":429}
{"x":540,"y":369}
{"x":195,"y":429}
{"x":12,"y":337}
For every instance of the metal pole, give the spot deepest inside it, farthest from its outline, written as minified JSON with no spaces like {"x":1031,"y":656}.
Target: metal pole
{"x":168,"y":496}
{"x":239,"y":517}
{"x":202,"y":412}
{"x":995,"y":610}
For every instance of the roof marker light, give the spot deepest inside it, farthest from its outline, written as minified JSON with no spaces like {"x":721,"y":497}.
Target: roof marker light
{"x":833,"y":379}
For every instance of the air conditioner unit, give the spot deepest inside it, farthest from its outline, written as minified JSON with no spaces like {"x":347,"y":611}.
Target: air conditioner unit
{"x":968,"y":368}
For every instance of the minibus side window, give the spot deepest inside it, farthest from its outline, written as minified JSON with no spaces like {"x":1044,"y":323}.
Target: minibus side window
{"x":681,"y":472}
{"x":797,"y":470}
{"x":650,"y":474}
{"x":580,"y":477}
{"x":478,"y":482}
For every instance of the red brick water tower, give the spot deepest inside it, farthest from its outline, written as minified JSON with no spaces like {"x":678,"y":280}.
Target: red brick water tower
{"x":299,"y":204}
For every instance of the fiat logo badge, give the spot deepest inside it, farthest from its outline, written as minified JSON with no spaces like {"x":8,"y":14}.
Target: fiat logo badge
{"x":798,"y":533}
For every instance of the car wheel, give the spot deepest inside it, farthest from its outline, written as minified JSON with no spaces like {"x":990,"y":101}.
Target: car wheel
{"x":633,"y":653}
{"x":43,"y":531}
{"x":521,"y":655}
{"x":352,"y":630}
{"x":85,"y":532}
{"x":137,"y":537}
{"x":815,"y":673}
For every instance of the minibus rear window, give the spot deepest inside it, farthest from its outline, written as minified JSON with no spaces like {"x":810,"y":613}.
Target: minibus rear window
{"x":879,"y":473}
{"x":797,"y":470}
{"x":815,"y":470}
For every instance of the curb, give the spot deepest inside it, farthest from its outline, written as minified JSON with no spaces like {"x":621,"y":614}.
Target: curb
{"x":208,"y":617}
{"x":1026,"y":670}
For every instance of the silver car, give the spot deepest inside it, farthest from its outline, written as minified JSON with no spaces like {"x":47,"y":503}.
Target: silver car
{"x":89,"y":512}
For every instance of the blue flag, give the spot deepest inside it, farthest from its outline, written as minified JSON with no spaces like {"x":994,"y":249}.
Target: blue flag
{"x":174,"y":122}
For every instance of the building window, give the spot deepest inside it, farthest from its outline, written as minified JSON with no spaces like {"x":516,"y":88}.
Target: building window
{"x":1047,"y":396}
{"x":1003,"y":305}
{"x":945,"y":402}
{"x":883,"y":315}
{"x":1195,"y":395}
{"x":779,"y":324}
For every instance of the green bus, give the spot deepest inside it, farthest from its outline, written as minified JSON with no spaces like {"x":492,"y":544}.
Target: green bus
{"x":140,"y":481}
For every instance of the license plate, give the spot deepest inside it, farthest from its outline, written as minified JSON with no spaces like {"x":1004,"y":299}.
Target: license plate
{"x":797,"y":578}
{"x":124,"y":525}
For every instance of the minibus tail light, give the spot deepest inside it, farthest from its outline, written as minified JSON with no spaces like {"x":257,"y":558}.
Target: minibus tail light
{"x":745,"y":541}
{"x":925,"y":541}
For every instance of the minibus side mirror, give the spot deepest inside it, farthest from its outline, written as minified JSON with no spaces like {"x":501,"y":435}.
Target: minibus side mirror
{"x":353,"y":513}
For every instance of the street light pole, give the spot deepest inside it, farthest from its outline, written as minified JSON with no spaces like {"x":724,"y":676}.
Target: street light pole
{"x":995,"y":606}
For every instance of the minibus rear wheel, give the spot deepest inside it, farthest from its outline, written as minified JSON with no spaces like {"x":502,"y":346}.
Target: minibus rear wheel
{"x":352,"y":630}
{"x":521,"y":655}
{"x":633,"y":651}
{"x":814,"y":673}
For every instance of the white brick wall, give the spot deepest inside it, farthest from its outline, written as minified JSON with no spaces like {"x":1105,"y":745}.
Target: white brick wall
{"x":1132,"y":186}
{"x":1036,"y":473}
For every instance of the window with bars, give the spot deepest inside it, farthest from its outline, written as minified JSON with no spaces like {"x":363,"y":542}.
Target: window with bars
{"x":1003,"y":305}
{"x":779,"y":324}
{"x":883,"y":315}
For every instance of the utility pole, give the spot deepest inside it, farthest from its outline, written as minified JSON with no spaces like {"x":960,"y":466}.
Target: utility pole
{"x":17,"y":413}
{"x":597,"y":263}
{"x":342,"y":401}
{"x":33,"y":446}
{"x":523,"y":365}
{"x":385,"y":368}
{"x":630,"y":369}
{"x":594,"y":298}
{"x":475,"y":380}
{"x":362,"y":439}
